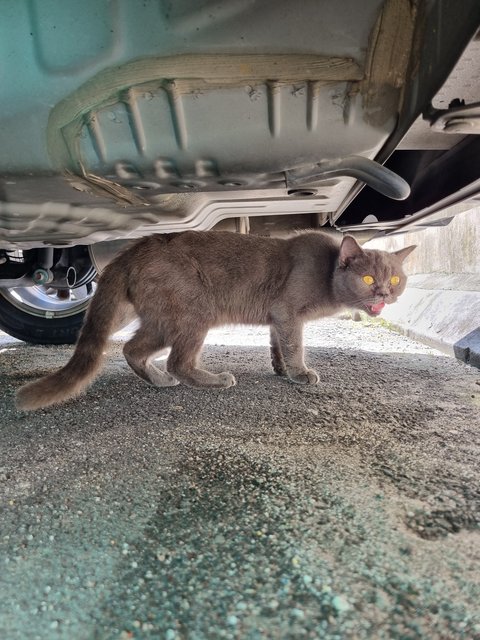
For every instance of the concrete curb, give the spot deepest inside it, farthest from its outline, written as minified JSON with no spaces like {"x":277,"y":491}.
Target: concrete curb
{"x":434,"y":311}
{"x":441,"y":305}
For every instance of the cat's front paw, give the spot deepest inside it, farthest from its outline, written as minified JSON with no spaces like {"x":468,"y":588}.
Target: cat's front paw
{"x":308,"y":376}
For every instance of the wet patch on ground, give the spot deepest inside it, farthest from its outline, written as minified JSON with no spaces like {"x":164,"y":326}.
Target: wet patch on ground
{"x":222,"y":553}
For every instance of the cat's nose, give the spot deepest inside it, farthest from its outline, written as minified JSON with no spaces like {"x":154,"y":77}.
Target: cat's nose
{"x":382,"y":292}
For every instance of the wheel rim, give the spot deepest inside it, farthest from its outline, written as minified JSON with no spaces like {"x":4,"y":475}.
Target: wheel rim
{"x":47,"y":302}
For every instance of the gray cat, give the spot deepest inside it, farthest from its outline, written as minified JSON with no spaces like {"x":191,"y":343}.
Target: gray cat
{"x":181,"y":285}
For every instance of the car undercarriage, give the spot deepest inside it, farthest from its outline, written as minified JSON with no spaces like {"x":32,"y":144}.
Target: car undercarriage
{"x":123,"y":119}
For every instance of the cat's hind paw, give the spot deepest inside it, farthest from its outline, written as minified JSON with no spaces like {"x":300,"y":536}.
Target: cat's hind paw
{"x":279,"y":369}
{"x":308,"y":376}
{"x":161,"y":378}
{"x":202,"y":379}
{"x":226,"y":380}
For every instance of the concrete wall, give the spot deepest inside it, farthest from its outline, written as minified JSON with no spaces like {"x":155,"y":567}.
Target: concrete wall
{"x":450,"y":249}
{"x":441,"y":305}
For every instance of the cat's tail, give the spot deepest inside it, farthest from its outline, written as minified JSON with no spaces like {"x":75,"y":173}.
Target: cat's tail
{"x":106,"y":313}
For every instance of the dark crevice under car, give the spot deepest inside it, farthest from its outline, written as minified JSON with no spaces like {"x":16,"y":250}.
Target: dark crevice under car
{"x":120,"y":119}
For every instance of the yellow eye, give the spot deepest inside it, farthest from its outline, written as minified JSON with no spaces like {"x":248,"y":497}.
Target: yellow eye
{"x":368,"y":280}
{"x":394,"y":280}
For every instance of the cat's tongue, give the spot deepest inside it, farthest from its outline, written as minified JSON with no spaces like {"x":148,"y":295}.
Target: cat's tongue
{"x":376,"y":309}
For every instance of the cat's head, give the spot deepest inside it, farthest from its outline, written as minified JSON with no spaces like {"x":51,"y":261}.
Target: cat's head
{"x":367,"y":279}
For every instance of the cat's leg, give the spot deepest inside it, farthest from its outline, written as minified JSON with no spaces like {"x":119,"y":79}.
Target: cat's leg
{"x":139,"y":352}
{"x":278,"y":362}
{"x":290,"y":340}
{"x":183,"y":363}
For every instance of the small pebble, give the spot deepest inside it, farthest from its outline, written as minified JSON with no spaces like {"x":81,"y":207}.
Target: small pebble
{"x":340,"y":604}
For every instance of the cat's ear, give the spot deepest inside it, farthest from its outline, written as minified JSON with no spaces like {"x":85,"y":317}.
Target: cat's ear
{"x":349,"y":250}
{"x":406,"y":251}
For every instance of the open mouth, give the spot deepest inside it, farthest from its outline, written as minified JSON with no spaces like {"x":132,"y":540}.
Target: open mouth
{"x":375,"y":309}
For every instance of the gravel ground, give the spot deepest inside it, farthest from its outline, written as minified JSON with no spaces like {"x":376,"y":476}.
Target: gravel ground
{"x":345,"y":510}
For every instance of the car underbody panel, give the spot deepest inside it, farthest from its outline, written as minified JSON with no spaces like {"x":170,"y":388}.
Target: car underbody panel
{"x":122,"y":119}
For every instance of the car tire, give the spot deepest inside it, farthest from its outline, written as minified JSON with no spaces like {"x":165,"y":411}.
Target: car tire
{"x":27,"y":315}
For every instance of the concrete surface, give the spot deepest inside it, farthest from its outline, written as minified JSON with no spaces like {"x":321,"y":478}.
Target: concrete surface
{"x":347,"y":510}
{"x":448,"y":319}
{"x":441,"y":305}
